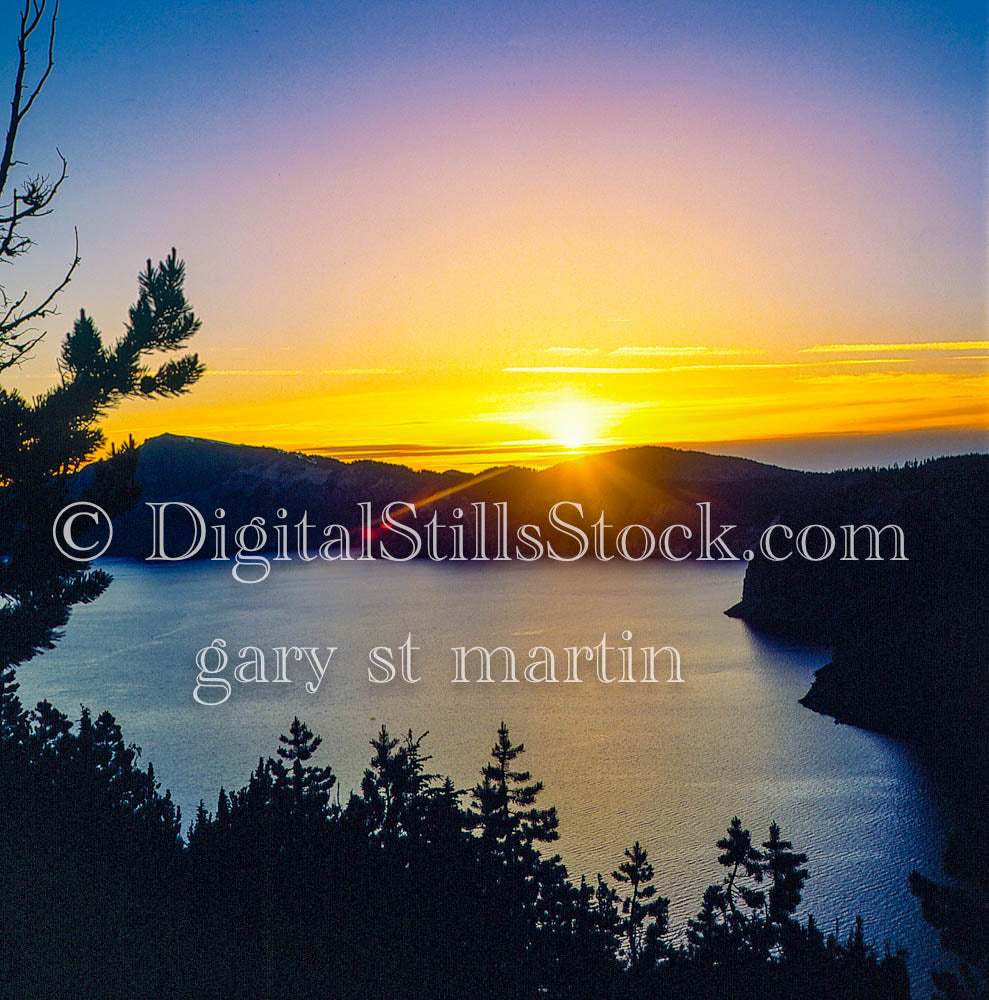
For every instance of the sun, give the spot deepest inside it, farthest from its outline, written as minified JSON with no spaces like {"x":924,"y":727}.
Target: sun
{"x":574,"y":423}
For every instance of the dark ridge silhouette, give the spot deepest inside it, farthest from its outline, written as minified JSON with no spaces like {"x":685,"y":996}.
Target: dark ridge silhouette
{"x":653,"y":486}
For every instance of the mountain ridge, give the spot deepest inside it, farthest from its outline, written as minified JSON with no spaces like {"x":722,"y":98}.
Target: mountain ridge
{"x":651,"y":485}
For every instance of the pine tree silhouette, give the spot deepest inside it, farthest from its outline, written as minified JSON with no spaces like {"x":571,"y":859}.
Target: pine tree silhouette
{"x":646,"y":914}
{"x":504,"y":801}
{"x":783,"y":869}
{"x":307,"y":786}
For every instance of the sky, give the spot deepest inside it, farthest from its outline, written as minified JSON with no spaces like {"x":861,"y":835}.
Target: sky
{"x":460,"y":235}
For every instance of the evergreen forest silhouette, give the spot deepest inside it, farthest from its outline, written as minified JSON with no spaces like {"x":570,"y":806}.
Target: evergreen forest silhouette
{"x":410,"y":887}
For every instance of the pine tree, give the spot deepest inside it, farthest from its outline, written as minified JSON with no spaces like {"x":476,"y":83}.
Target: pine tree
{"x":383,"y":786}
{"x":308,"y":786}
{"x":45,"y":439}
{"x":50,"y":437}
{"x":740,"y":858}
{"x":13,"y":717}
{"x":200,"y":829}
{"x":706,"y":930}
{"x":783,"y":868}
{"x":444,"y":818}
{"x":607,"y":913}
{"x":504,"y":800}
{"x":646,"y":917}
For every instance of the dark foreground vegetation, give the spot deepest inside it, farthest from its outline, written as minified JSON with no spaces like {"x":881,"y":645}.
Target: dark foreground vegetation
{"x":410,"y":888}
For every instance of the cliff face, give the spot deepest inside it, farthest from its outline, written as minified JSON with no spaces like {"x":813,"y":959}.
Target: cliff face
{"x":909,"y":639}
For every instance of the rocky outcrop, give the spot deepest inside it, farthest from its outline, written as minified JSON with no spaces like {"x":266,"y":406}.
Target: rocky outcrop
{"x":909,"y":641}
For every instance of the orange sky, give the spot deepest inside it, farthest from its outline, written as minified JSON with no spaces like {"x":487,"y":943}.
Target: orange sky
{"x":537,"y":412}
{"x":555,"y":246}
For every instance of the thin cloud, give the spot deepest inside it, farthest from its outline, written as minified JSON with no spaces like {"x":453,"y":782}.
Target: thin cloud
{"x":913,"y":377}
{"x":712,"y":366}
{"x":360,"y":371}
{"x":572,"y":350}
{"x":729,"y":366}
{"x":254,"y":371}
{"x":662,"y":351}
{"x":578,"y":370}
{"x":649,"y":351}
{"x":931,"y":345}
{"x":497,"y":452}
{"x":789,"y":364}
{"x":298,"y":372}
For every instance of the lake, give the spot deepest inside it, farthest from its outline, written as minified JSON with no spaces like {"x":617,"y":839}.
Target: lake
{"x":665,"y":764}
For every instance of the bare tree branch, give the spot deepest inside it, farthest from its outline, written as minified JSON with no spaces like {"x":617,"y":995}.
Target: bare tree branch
{"x":51,"y":56}
{"x":11,"y":334}
{"x":32,"y":199}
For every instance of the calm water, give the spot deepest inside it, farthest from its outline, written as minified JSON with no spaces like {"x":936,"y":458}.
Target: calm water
{"x":666,"y":764}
